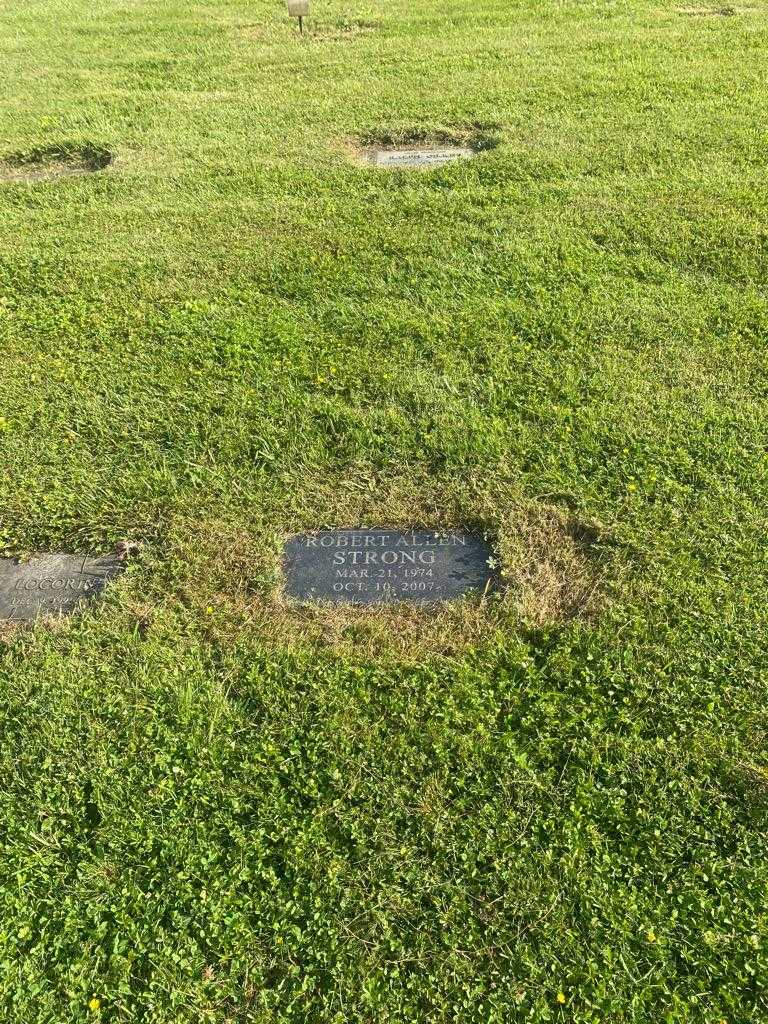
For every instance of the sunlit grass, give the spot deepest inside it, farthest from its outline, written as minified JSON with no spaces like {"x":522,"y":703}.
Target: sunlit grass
{"x":552,"y":807}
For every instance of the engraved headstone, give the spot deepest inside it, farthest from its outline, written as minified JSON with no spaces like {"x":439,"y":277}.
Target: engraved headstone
{"x":387,"y":566}
{"x":52,"y":584}
{"x":419,"y":156}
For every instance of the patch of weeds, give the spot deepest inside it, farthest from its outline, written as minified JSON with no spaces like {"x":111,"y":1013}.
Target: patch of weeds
{"x":48,"y":162}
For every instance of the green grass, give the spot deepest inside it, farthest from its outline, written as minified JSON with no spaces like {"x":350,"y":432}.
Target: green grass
{"x":217,"y":809}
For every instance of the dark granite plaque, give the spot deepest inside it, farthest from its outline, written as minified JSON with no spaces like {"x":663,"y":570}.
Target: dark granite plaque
{"x":421,"y":157}
{"x":52,"y":584}
{"x":374,"y":566}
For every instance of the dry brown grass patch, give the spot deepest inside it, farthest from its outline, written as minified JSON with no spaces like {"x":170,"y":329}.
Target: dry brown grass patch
{"x":342,"y":30}
{"x":256,"y":33}
{"x":315,"y":30}
{"x":712,"y":12}
{"x":553,"y":570}
{"x":550,"y":561}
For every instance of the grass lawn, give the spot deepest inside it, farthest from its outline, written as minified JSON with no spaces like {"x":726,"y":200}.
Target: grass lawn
{"x":550,"y":806}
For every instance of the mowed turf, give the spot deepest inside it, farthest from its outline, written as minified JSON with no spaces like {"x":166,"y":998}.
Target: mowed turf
{"x":550,"y":807}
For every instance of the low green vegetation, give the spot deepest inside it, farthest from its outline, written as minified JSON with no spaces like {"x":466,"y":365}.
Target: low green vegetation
{"x":217,"y":327}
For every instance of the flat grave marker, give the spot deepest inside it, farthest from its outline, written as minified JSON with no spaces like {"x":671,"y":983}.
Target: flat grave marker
{"x":52,"y":584}
{"x":387,"y":566}
{"x":419,"y":156}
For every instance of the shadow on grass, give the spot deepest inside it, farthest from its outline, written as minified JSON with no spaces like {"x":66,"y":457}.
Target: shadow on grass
{"x":44,"y":163}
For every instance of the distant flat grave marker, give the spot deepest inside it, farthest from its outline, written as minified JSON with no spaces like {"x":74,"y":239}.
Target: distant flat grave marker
{"x":53,"y":584}
{"x":419,"y":156}
{"x":387,"y":566}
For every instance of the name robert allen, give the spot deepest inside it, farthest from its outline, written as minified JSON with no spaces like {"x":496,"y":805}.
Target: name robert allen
{"x":385,"y":540}
{"x":401,"y":549}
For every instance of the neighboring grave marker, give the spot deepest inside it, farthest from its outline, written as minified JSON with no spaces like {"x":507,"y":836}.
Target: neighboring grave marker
{"x":387,"y":566}
{"x":52,"y":584}
{"x":419,"y":156}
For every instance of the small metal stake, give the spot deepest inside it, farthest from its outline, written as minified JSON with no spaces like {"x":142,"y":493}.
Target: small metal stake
{"x":301,"y":25}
